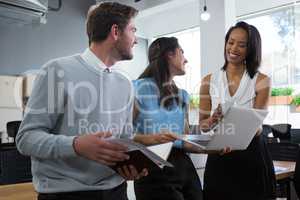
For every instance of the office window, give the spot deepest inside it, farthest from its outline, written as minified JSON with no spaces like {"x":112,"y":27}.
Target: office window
{"x":280,"y":32}
{"x":190,"y":43}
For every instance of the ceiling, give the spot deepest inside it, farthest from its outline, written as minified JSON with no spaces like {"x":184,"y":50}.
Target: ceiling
{"x":141,"y":5}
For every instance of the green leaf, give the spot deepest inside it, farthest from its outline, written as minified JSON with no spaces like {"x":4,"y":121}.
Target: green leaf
{"x":287,"y":91}
{"x":296,"y":100}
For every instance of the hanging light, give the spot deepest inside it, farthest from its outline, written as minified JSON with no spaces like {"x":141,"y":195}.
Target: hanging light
{"x":205,"y":14}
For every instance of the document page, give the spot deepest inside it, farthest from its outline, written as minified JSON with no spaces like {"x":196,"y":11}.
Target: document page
{"x":237,"y":128}
{"x":200,"y":141}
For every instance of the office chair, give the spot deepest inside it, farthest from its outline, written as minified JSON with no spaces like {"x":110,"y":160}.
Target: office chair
{"x":283,"y":151}
{"x":282,"y":131}
{"x":295,"y":135}
{"x":297,"y":175}
{"x":12,"y":128}
{"x":266,"y":129}
{"x":14,"y":167}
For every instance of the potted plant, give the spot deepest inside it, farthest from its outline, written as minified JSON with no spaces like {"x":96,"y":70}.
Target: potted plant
{"x":296,"y":102}
{"x":281,"y":96}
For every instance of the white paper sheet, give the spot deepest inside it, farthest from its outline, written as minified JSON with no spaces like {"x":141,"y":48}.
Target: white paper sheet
{"x":237,"y":128}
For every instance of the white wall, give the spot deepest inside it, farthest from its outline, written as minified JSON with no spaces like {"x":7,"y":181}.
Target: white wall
{"x":179,"y":15}
{"x":212,"y":37}
{"x":29,"y":47}
{"x":168,"y":18}
{"x":10,"y":102}
{"x":230,"y":13}
{"x":141,"y":5}
{"x":246,"y":7}
{"x":136,"y":66}
{"x":26,"y":47}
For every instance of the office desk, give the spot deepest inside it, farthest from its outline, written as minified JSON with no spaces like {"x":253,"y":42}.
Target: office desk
{"x":289,"y":172}
{"x":22,"y":191}
{"x":25,"y":191}
{"x":285,"y":177}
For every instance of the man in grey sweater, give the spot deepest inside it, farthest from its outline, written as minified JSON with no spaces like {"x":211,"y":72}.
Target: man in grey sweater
{"x":76,"y":103}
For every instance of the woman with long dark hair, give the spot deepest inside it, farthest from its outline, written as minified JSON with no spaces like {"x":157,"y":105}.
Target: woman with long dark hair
{"x":161,"y":109}
{"x":247,"y":174}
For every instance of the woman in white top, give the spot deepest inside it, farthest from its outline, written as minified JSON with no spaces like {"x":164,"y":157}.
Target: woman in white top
{"x":247,"y":174}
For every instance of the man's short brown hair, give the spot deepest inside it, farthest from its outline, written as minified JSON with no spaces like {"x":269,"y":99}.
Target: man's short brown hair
{"x":101,"y":17}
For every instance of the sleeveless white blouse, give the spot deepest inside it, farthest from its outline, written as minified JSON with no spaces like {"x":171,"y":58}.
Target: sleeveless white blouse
{"x":219,"y":90}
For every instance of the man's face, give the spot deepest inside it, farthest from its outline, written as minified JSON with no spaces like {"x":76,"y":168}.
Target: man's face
{"x":126,"y":41}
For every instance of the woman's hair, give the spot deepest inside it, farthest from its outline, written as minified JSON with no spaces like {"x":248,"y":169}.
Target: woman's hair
{"x":158,"y":69}
{"x":253,"y":55}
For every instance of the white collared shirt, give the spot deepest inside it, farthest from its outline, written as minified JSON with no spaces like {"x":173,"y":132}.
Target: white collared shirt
{"x":90,"y":58}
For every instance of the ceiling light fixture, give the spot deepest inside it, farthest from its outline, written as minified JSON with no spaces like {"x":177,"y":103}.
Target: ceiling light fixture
{"x":205,"y":14}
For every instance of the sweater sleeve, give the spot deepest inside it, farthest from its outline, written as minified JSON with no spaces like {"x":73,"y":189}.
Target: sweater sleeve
{"x":43,"y":111}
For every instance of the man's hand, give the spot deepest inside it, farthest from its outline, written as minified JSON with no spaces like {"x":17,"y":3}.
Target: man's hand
{"x":130,"y":173}
{"x":94,"y":147}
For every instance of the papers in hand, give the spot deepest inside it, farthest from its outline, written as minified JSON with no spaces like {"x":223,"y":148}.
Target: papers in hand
{"x":236,"y":130}
{"x":200,"y":141}
{"x":144,"y":157}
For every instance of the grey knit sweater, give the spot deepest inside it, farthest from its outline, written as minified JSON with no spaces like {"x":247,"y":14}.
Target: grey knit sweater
{"x":71,"y":98}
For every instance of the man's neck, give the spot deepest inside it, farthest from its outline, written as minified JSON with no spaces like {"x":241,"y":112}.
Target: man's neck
{"x":104,"y":51}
